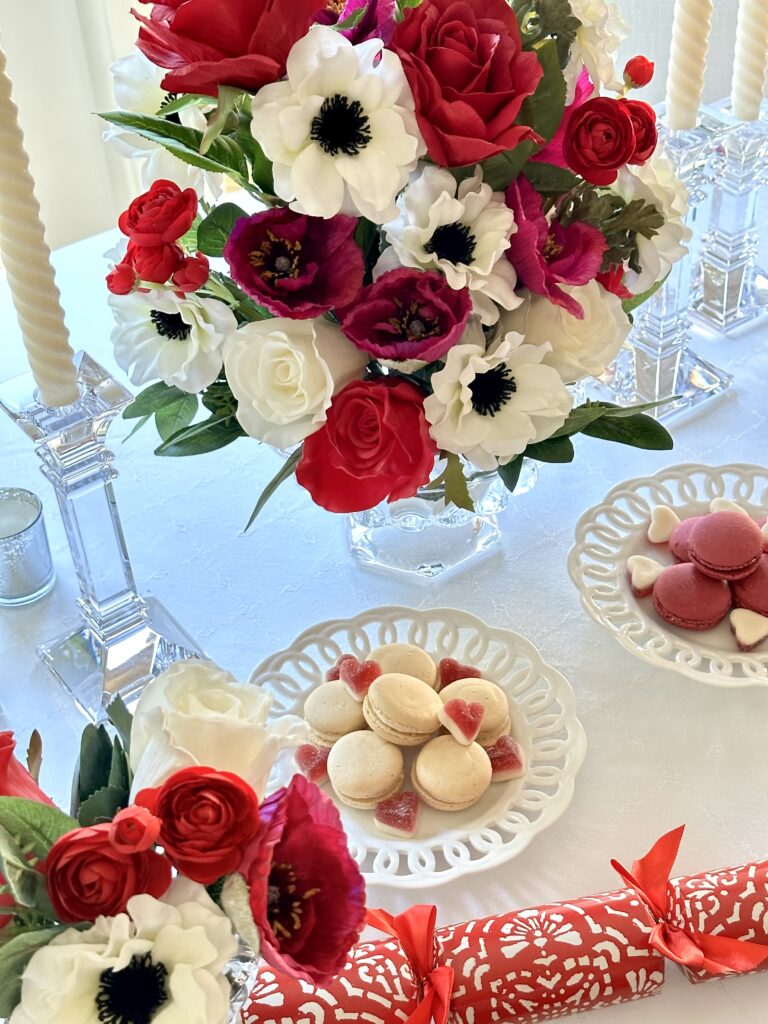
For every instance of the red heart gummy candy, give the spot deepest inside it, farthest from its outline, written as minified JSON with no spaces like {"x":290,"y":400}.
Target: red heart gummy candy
{"x":462,"y":719}
{"x":507,"y":759}
{"x":399,"y":814}
{"x":335,"y":671}
{"x":358,"y":676}
{"x":451,"y":670}
{"x":312,"y":762}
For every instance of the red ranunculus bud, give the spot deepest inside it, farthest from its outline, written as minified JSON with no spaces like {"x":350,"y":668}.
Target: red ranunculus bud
{"x":121,"y":280}
{"x":192,"y":274}
{"x":646,"y":134}
{"x":638,"y":72}
{"x":155,"y":263}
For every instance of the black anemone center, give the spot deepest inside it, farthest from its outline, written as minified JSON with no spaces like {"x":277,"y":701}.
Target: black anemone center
{"x":134,"y":994}
{"x":453,"y":242}
{"x":170,"y":325}
{"x":342,"y":126}
{"x":492,"y":390}
{"x":170,"y":97}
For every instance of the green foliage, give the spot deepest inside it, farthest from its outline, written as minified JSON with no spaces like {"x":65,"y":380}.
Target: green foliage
{"x":228,"y":99}
{"x":28,"y":830}
{"x":14,"y":957}
{"x":219,"y":286}
{"x":103,"y":805}
{"x":454,"y":482}
{"x":510,"y":474}
{"x":620,"y":222}
{"x":630,"y":305}
{"x":352,"y":21}
{"x":178,"y":103}
{"x":405,"y":5}
{"x":285,"y":472}
{"x":174,"y":416}
{"x":95,"y":761}
{"x":104,"y":777}
{"x":547,"y":19}
{"x":171,"y":407}
{"x":213,"y":232}
{"x":207,"y":436}
{"x":550,"y":179}
{"x":626,"y":425}
{"x":553,"y":449}
{"x":121,"y":718}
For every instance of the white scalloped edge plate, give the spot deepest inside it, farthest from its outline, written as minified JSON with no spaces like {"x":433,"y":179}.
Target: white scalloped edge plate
{"x":609,"y":533}
{"x":509,"y":815}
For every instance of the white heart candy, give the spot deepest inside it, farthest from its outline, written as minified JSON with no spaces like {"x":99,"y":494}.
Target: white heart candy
{"x":749,"y":628}
{"x":643,"y":572}
{"x":663,"y":521}
{"x":726,"y":505}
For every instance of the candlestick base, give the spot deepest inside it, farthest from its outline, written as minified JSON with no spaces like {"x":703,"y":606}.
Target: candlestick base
{"x":123,"y":641}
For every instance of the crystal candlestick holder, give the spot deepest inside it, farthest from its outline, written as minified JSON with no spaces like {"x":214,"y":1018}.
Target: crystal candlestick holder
{"x":122,"y":640}
{"x":658,"y":363}
{"x":731,"y":289}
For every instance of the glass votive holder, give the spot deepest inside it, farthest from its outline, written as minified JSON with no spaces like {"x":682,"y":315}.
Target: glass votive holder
{"x":26,"y":568}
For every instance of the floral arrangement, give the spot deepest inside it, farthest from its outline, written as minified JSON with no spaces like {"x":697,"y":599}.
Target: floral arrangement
{"x":152,"y":903}
{"x":448,"y":210}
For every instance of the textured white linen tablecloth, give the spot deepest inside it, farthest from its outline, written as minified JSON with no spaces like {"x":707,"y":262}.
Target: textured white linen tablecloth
{"x":662,"y":749}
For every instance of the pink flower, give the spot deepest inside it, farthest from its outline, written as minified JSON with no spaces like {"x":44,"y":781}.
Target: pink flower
{"x":307,"y":894}
{"x":553,"y":153}
{"x":407,"y":314}
{"x":546,"y":255}
{"x":378,"y":22}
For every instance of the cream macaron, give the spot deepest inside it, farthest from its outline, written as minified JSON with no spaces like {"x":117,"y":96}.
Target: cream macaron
{"x":407,"y":660}
{"x":496,"y":722}
{"x":449,"y":776}
{"x":364,"y":769}
{"x":331,"y":712}
{"x":402,"y":709}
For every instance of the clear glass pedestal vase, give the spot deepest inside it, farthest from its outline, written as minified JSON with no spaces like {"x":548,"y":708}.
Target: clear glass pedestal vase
{"x":422,"y":537}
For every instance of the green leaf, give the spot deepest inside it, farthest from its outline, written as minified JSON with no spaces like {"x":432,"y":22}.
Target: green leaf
{"x":150,"y":400}
{"x":630,"y":305}
{"x":554,"y":449}
{"x":579,"y":418}
{"x":207,"y":436}
{"x":119,"y":772}
{"x":261,"y":167}
{"x":550,"y":178}
{"x":137,"y":426}
{"x":14,"y":957}
{"x":172,"y":418}
{"x":639,"y":431}
{"x":285,"y":472}
{"x":189,"y":99}
{"x":455,"y":483}
{"x":95,"y":760}
{"x":188,"y":241}
{"x":22,"y":880}
{"x":36,"y":826}
{"x":217,"y":121}
{"x":510,"y":474}
{"x":405,"y":5}
{"x":225,"y":156}
{"x":102,"y":806}
{"x":540,"y":19}
{"x":213,"y":233}
{"x":121,"y":718}
{"x":352,"y":21}
{"x":499,"y":170}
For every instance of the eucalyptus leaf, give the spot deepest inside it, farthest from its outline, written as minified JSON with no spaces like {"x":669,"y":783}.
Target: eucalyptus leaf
{"x":176,"y":415}
{"x":207,"y":436}
{"x":14,"y":957}
{"x":37,"y":825}
{"x":213,"y":232}
{"x":639,"y":431}
{"x":510,"y":474}
{"x":554,"y":449}
{"x":285,"y":472}
{"x":95,"y":760}
{"x":102,"y":806}
{"x":579,"y":418}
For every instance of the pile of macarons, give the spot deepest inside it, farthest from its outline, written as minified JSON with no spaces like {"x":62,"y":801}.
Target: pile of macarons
{"x":720,"y":568}
{"x":400,"y":716}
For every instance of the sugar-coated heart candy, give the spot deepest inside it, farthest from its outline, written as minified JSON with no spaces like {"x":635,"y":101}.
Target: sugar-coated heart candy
{"x":312,"y":762}
{"x":335,"y":671}
{"x":726,"y":505}
{"x":450,"y":670}
{"x":507,"y":759}
{"x":749,"y":628}
{"x":462,"y":719}
{"x":357,"y":676}
{"x":663,"y":521}
{"x":398,"y":815}
{"x":643,"y":573}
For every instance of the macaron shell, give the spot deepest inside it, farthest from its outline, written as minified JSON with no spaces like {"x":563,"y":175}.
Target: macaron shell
{"x":402,"y":709}
{"x":496,"y":721}
{"x":364,"y":769}
{"x":332,"y":712}
{"x":408,"y":660}
{"x":449,"y":776}
{"x":752,"y":591}
{"x":726,"y":545}
{"x":685,"y":597}
{"x":681,"y":537}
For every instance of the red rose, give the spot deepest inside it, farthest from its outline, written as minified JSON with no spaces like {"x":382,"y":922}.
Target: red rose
{"x":469,"y":76}
{"x":155,"y":263}
{"x":644,"y":122}
{"x":208,"y":43}
{"x":121,"y":280}
{"x":87,"y":876}
{"x":192,"y":274}
{"x":599,"y":139}
{"x":638,"y":72}
{"x":208,"y":818}
{"x":161,"y":215}
{"x":134,"y":830}
{"x":374,"y":445}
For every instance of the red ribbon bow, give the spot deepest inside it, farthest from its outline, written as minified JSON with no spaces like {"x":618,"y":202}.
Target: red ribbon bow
{"x":716,"y":954}
{"x":415,"y":931}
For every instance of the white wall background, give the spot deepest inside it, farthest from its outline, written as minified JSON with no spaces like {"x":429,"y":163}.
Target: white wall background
{"x":58,"y":56}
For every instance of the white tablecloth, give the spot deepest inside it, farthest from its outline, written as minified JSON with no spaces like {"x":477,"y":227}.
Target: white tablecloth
{"x":662,"y":749}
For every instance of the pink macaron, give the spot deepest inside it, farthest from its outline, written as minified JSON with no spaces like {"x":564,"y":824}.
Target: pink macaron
{"x":726,"y":545}
{"x":687,"y":598}
{"x":680,"y":538}
{"x":752,"y":592}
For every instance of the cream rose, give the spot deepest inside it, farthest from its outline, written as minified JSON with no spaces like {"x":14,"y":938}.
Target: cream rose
{"x":284,"y":374}
{"x":578,"y":348}
{"x":195,"y":713}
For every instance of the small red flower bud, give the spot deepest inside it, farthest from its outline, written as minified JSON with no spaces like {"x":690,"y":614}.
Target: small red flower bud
{"x":122,"y":279}
{"x":638,"y":72}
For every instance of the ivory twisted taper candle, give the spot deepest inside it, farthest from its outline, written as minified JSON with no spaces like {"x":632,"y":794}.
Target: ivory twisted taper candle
{"x":750,"y":59}
{"x":687,"y":62}
{"x":27,"y":261}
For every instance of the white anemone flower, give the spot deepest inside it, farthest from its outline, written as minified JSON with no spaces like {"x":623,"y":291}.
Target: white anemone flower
{"x":462,"y":230}
{"x":164,"y":960}
{"x":341,"y":129}
{"x":490,"y":405}
{"x":136,"y":85}
{"x":598,"y":38}
{"x":159,"y":336}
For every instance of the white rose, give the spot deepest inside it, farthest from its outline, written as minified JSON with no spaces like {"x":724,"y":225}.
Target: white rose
{"x":598,"y":38}
{"x":284,"y":374}
{"x":578,"y":348}
{"x":195,"y":713}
